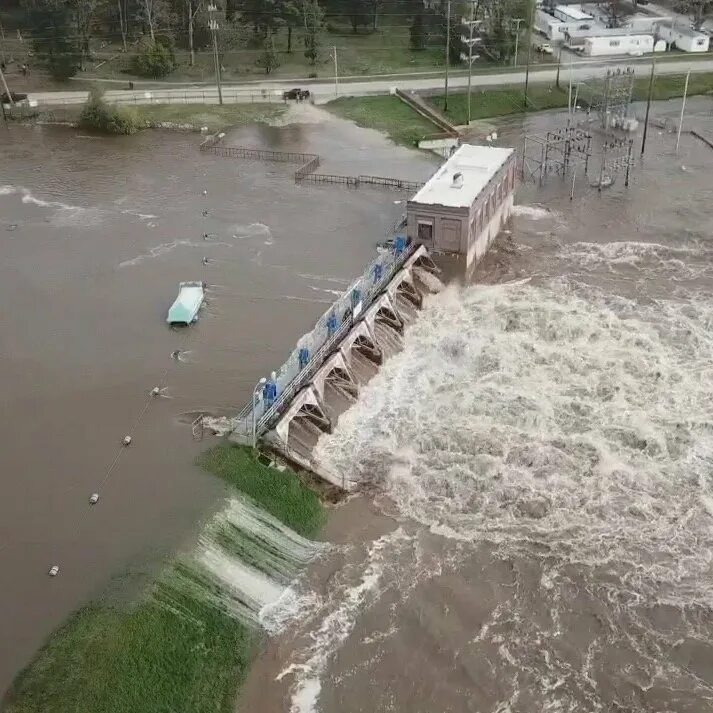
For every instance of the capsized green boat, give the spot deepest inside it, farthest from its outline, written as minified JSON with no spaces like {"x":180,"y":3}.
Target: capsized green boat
{"x":184,"y":310}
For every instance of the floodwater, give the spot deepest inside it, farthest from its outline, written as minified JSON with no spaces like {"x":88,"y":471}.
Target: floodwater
{"x":536,"y":527}
{"x":95,"y":235}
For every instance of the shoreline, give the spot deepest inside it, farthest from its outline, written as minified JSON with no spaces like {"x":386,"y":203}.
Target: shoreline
{"x":180,"y":642}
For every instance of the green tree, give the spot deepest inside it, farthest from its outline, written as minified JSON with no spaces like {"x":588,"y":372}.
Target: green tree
{"x":269,"y":59}
{"x":357,"y":12}
{"x":417,"y":33}
{"x":313,"y":22}
{"x":155,"y":59}
{"x":699,"y":10}
{"x":99,"y":116}
{"x":52,"y":33}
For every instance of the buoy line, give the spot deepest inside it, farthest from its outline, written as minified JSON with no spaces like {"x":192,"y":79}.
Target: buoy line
{"x":125,"y":442}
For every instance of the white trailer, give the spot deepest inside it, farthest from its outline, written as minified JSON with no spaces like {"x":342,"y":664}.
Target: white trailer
{"x":618,"y":44}
{"x":683,"y":38}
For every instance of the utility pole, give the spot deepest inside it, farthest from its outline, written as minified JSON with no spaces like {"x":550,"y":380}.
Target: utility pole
{"x":336,"y":72}
{"x":648,"y":105}
{"x":683,"y":109}
{"x":471,"y":41}
{"x":2,"y":43}
{"x":9,"y":95}
{"x":529,"y":49}
{"x":517,"y":37}
{"x":448,"y":53}
{"x":213,"y":26}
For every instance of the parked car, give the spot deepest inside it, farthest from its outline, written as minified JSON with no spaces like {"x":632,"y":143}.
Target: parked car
{"x":16,"y":97}
{"x":544,"y":47}
{"x":297,"y":94}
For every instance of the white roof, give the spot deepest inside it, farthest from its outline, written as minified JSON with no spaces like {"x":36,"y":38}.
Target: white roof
{"x":682,"y":29}
{"x":573,"y":12}
{"x":476,"y":164}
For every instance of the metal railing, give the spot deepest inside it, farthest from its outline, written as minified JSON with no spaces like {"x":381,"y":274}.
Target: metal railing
{"x":291,"y":377}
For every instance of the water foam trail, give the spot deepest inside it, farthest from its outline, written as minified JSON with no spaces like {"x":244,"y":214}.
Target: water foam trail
{"x":568,"y":430}
{"x":161,"y":249}
{"x":247,"y":563}
{"x":348,"y":601}
{"x":532,"y":212}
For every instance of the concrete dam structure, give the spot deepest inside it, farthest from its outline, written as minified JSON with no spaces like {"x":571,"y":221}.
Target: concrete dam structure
{"x":458,"y":213}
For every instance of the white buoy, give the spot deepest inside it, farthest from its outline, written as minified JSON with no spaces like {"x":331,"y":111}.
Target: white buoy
{"x":205,"y":193}
{"x":155,"y":391}
{"x":54,"y":570}
{"x":94,"y":498}
{"x":127,"y":440}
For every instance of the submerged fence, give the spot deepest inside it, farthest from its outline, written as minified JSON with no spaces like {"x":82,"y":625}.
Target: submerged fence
{"x":309,"y":163}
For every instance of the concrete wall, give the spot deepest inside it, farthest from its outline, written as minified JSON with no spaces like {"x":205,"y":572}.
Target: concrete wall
{"x":467,"y":231}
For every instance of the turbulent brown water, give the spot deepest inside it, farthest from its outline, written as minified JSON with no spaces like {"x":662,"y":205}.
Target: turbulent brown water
{"x":537,"y":533}
{"x":95,"y":235}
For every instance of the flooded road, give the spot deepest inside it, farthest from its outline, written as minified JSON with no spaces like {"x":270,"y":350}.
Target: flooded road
{"x":95,"y":235}
{"x":537,"y":528}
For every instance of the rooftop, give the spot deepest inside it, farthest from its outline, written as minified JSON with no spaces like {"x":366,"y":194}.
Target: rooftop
{"x":682,"y":29}
{"x":573,"y":12}
{"x":476,"y":166}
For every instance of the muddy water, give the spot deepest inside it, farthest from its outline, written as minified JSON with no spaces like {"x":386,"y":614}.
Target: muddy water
{"x":95,"y":235}
{"x":537,"y":528}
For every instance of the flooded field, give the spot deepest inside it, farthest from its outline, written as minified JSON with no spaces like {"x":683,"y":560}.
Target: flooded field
{"x":95,"y":235}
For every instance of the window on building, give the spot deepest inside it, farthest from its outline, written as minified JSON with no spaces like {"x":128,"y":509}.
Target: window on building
{"x":425,"y":231}
{"x":614,"y":43}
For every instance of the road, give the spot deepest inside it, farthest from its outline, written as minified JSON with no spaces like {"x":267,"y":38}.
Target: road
{"x":324,"y":91}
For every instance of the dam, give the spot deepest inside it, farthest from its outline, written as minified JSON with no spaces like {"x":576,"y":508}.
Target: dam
{"x":454,"y":217}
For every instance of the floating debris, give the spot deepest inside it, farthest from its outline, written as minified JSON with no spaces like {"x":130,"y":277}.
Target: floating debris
{"x":94,"y":498}
{"x":54,"y":570}
{"x":126,"y":441}
{"x":156,"y":391}
{"x":176,"y":354}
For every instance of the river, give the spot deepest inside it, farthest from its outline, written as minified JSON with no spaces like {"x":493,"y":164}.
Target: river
{"x":536,"y":527}
{"x":95,"y":235}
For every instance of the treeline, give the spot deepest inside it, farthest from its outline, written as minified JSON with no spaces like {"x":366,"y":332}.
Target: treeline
{"x":65,"y":34}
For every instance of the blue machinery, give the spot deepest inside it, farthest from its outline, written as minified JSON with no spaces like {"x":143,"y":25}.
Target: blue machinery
{"x":272,"y":396}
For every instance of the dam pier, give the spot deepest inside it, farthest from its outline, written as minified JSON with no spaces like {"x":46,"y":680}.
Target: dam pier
{"x":454,"y":217}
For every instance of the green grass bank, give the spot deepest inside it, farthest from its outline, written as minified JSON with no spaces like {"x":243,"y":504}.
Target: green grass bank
{"x":169,"y":651}
{"x":386,"y":114}
{"x":488,"y":103}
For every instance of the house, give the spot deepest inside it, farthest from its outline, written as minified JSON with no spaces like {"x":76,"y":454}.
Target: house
{"x":463,"y":206}
{"x":683,"y":38}
{"x":618,"y":41}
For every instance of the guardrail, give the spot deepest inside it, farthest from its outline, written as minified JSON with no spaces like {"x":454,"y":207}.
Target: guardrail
{"x":292,"y":377}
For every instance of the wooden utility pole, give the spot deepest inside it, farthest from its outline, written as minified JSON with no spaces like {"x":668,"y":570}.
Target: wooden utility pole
{"x":213,"y":25}
{"x":448,"y":53}
{"x":8,"y":92}
{"x":648,"y":106}
{"x":336,"y":72}
{"x":683,"y":109}
{"x":529,"y":49}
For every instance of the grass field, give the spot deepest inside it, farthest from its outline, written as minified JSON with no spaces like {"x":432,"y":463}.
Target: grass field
{"x":489,"y":103}
{"x":387,"y":114}
{"x":214,"y":116}
{"x":171,"y":650}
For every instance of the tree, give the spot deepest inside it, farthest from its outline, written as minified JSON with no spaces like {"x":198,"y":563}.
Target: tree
{"x":269,"y":59}
{"x":263,"y":15}
{"x":417,"y":33}
{"x":84,"y":11}
{"x":313,"y":21}
{"x":153,"y":12}
{"x":53,"y":42}
{"x":291,"y":17}
{"x":123,"y":21}
{"x":358,"y":12}
{"x":699,"y":10}
{"x":376,"y":5}
{"x":192,"y":9}
{"x":155,"y":59}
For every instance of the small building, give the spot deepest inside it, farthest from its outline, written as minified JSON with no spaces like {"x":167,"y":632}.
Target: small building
{"x":555,"y":29}
{"x":683,"y":38}
{"x":463,"y":206}
{"x":615,"y":43}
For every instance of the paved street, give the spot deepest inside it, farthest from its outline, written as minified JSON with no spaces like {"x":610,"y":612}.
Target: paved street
{"x":324,"y":91}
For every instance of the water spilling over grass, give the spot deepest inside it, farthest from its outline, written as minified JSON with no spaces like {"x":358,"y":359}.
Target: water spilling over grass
{"x":186,"y":645}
